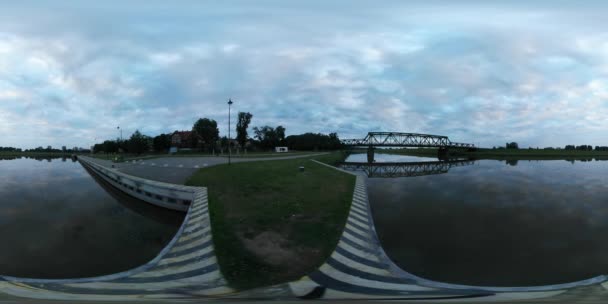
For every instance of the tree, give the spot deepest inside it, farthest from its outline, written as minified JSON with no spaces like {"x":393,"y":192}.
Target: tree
{"x":138,"y":143}
{"x":311,"y":141}
{"x":267,"y":136}
{"x":241,"y":127}
{"x":161,"y":143}
{"x":206,"y":129}
{"x":512,"y":145}
{"x":280,"y":130}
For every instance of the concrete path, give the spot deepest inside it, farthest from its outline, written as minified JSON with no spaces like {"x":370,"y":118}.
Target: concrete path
{"x":177,"y":169}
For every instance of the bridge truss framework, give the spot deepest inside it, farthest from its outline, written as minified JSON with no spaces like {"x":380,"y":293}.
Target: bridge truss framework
{"x":398,"y":139}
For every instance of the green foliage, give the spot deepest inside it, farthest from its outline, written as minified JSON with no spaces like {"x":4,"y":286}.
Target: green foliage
{"x":162,"y":143}
{"x":241,"y":127}
{"x":206,"y":129}
{"x":138,"y":143}
{"x":512,"y":145}
{"x":269,"y":137}
{"x":311,"y":141}
{"x":108,"y":146}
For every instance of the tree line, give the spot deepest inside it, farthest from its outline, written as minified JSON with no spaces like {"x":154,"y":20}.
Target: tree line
{"x":514,"y":145}
{"x":205,"y":136}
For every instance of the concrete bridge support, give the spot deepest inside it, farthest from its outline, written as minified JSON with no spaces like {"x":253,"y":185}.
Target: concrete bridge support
{"x":442,"y":153}
{"x":370,"y":154}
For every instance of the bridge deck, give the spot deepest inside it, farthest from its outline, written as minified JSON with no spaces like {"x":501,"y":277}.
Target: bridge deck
{"x":400,"y":139}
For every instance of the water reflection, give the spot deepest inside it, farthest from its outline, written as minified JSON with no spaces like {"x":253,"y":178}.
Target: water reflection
{"x":404,"y":169}
{"x":496,"y":222}
{"x":57,"y":222}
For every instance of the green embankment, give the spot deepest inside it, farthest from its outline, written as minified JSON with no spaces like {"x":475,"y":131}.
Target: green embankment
{"x":502,"y":154}
{"x":273,"y":223}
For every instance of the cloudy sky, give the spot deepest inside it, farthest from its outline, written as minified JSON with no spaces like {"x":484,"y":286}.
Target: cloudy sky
{"x":476,"y":71}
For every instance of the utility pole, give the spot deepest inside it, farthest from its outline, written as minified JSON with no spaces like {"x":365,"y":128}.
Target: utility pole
{"x":229,"y":138}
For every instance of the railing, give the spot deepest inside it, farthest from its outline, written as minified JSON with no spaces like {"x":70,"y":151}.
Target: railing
{"x":176,"y":197}
{"x":397,"y":139}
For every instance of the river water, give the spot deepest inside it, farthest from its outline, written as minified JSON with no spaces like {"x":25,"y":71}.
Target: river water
{"x":495,"y":223}
{"x":57,"y":221}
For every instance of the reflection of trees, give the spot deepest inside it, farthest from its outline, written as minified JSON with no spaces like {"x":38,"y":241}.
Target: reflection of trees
{"x":511,"y":162}
{"x":405,"y":169}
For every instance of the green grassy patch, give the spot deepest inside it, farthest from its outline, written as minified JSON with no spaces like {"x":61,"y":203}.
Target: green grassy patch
{"x":271,"y":222}
{"x":506,"y":154}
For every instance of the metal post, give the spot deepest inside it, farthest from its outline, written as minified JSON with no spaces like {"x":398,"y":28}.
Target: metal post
{"x":229,"y":138}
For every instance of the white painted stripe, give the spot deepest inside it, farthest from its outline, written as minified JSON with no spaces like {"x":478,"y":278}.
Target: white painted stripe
{"x":352,"y":214}
{"x":188,"y":246}
{"x":194,"y":235}
{"x":359,"y":208}
{"x":354,"y":264}
{"x":362,"y":254}
{"x":199,"y":211}
{"x":358,"y":222}
{"x":344,"y":277}
{"x":360,"y":242}
{"x":186,"y":256}
{"x":196,"y":281}
{"x":360,"y":201}
{"x":175,"y":270}
{"x":192,"y":224}
{"x":359,"y":231}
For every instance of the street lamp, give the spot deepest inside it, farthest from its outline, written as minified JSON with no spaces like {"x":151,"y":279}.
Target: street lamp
{"x":120,"y":142}
{"x":118,"y":128}
{"x":229,"y":139}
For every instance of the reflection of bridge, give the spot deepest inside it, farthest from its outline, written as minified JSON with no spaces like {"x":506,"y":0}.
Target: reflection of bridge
{"x":398,"y":139}
{"x":407,"y":169}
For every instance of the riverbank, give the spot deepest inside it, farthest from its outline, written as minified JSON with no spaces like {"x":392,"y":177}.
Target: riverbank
{"x":277,"y":223}
{"x":505,"y":154}
{"x":13,"y":155}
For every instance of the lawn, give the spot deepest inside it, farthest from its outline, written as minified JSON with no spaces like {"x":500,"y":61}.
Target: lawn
{"x":273,"y":223}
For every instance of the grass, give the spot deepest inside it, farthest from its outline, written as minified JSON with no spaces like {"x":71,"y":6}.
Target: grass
{"x":506,"y":154}
{"x":273,"y":223}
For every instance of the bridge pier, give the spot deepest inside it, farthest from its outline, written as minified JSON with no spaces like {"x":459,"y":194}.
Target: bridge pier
{"x":442,"y":153}
{"x":370,"y":154}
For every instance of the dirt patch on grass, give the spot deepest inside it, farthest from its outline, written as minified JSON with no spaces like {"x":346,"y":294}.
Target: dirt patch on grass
{"x":270,"y":247}
{"x":274,"y":249}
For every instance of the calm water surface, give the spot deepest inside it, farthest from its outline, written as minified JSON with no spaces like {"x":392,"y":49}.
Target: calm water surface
{"x":496,"y":223}
{"x":56,"y":221}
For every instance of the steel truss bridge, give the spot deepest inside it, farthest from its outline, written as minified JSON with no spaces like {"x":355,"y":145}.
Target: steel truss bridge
{"x":407,"y":169}
{"x":398,"y":139}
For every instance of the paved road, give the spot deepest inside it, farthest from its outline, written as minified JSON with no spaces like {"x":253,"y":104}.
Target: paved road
{"x":177,"y":170}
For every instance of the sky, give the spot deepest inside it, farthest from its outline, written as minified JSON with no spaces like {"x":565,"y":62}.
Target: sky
{"x":484,"y":72}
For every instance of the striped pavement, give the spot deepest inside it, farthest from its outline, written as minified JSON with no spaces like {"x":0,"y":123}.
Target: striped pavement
{"x":186,"y":268}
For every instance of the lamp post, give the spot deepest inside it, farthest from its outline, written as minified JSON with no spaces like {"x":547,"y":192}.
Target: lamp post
{"x":229,"y":138}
